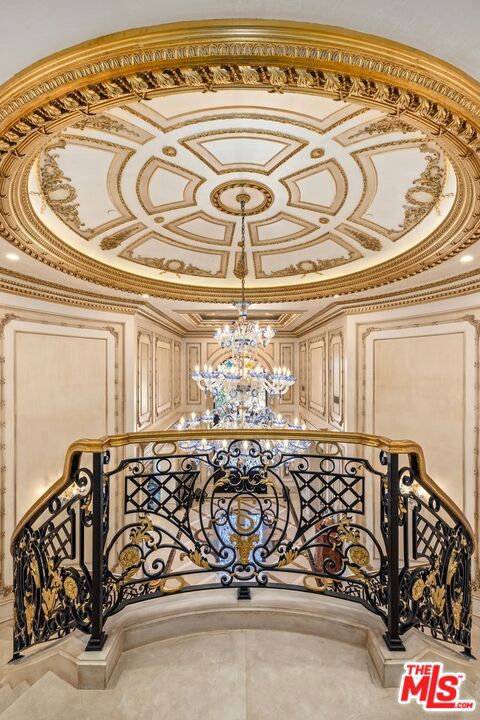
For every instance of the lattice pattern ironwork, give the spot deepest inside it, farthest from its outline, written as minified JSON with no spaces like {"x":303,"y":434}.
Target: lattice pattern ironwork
{"x":244,"y":516}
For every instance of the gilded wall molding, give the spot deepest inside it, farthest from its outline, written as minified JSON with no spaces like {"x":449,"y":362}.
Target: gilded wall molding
{"x":336,"y":391}
{"x":303,"y":373}
{"x":21,"y":316}
{"x":318,"y":343}
{"x":193,"y":353}
{"x":144,"y":378}
{"x":415,"y":323}
{"x":163,"y":343}
{"x":275,"y":56}
{"x":286,"y":351}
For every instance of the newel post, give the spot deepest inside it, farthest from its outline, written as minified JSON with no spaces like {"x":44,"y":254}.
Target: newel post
{"x":392,"y":636}
{"x":97,"y":636}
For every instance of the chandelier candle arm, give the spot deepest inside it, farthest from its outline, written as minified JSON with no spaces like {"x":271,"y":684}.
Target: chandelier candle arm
{"x":240,"y":386}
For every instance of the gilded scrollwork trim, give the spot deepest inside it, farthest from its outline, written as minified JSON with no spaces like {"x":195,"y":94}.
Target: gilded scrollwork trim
{"x":289,"y":56}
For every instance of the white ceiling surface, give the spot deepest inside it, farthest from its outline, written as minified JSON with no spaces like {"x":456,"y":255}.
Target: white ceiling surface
{"x":315,"y":158}
{"x":32,"y":30}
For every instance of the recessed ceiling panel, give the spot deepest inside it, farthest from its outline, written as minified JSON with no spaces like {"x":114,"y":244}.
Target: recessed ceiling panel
{"x":320,"y":201}
{"x":125,"y":167}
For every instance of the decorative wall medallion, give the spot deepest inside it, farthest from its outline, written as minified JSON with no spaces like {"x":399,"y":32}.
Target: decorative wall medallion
{"x":106,"y":111}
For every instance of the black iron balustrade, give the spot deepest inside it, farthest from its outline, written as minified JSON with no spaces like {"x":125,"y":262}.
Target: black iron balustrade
{"x":350,"y":516}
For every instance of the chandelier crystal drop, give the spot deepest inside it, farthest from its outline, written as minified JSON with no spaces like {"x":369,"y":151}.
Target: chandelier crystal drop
{"x":240,"y":386}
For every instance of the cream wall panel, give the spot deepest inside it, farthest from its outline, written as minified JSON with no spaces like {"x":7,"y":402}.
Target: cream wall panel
{"x":177,"y":375}
{"x":158,"y":378}
{"x":60,"y":394}
{"x":317,"y":376}
{"x":212,"y":348}
{"x":302,"y":374}
{"x":335,"y":378}
{"x":286,"y":360}
{"x":322,"y":363}
{"x":144,"y":379}
{"x":419,"y":384}
{"x":59,"y":385}
{"x":163,"y":377}
{"x":193,"y":359}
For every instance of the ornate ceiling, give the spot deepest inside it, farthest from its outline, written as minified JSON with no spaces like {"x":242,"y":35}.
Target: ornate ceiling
{"x":151,"y":187}
{"x":131,"y":181}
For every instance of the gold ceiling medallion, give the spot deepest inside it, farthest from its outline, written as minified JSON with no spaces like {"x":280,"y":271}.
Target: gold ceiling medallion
{"x":224,"y":196}
{"x":80,"y":88}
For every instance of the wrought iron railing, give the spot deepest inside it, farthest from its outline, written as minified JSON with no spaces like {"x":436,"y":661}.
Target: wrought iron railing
{"x":141,"y":516}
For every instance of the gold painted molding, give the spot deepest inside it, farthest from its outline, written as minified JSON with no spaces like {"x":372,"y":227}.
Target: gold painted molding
{"x":275,"y":56}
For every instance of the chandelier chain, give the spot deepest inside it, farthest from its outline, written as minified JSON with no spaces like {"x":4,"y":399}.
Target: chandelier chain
{"x":244,"y":254}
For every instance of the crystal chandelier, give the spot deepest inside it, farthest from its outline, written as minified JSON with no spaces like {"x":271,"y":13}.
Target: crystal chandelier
{"x":240,"y":386}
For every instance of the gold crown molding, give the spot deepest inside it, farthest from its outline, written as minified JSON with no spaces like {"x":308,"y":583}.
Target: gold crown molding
{"x":432,"y":292}
{"x":24,"y":285}
{"x":205,"y":322}
{"x":274,"y":56}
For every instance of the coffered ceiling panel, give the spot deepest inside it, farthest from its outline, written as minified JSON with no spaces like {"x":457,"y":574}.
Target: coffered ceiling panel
{"x":165,"y":255}
{"x":321,"y":188}
{"x":343,"y":172}
{"x":351,"y":182}
{"x":162,"y":186}
{"x":279,"y":228}
{"x":237,"y":150}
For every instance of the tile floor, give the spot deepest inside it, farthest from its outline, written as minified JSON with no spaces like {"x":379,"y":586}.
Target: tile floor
{"x":230,"y":675}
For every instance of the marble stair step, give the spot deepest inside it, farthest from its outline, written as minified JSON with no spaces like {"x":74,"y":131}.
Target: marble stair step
{"x":9,"y":695}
